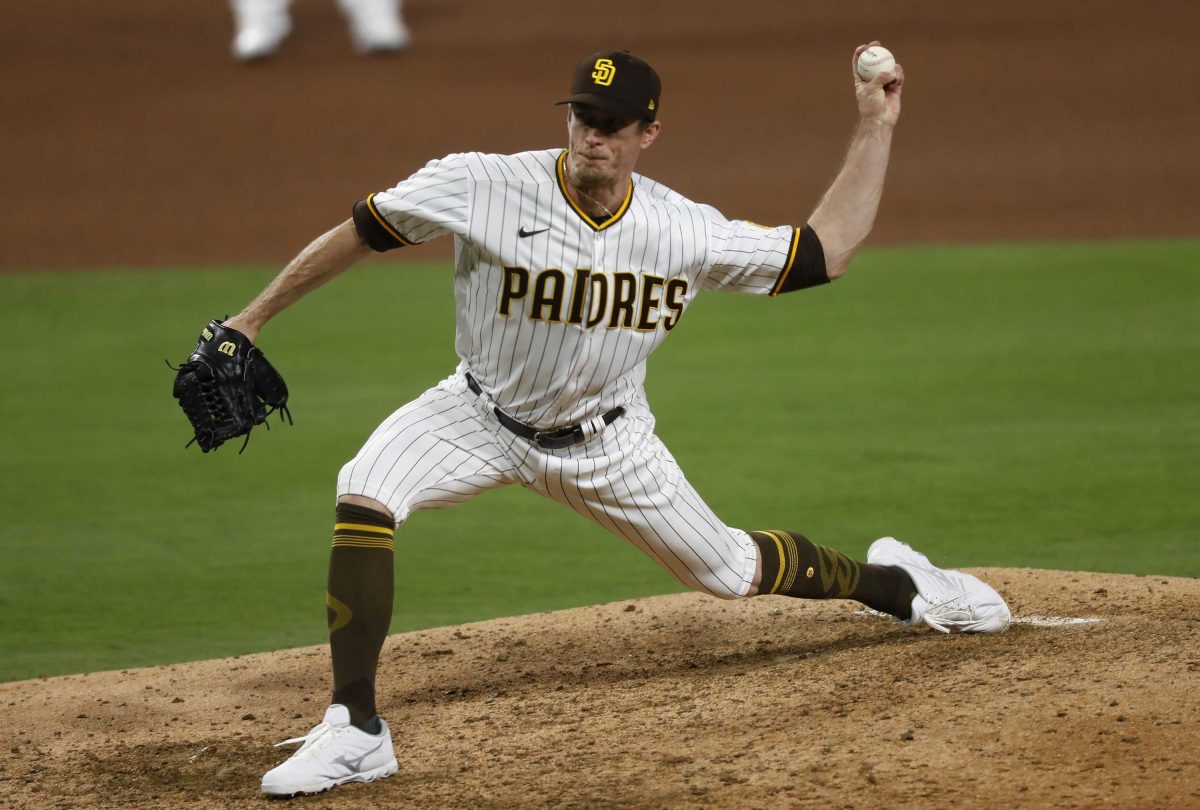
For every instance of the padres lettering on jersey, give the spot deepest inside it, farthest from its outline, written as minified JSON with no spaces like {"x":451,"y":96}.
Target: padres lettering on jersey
{"x":557,"y":313}
{"x":620,"y":298}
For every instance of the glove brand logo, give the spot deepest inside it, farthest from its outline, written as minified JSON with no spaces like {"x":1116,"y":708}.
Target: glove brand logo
{"x":227,"y":347}
{"x":604,"y":72}
{"x":207,"y":334}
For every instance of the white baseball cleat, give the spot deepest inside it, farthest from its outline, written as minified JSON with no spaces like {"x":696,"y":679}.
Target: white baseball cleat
{"x":262,"y":25}
{"x":334,"y":753}
{"x":376,"y":26}
{"x":947,"y":601}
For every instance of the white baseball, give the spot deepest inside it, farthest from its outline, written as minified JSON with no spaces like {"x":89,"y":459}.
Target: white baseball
{"x":875,"y":60}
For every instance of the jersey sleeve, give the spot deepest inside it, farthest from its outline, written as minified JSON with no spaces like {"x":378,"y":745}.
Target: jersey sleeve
{"x":431,"y":203}
{"x":752,"y":259}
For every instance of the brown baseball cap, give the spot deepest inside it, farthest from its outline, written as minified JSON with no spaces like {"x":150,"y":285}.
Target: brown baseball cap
{"x":617,"y":82}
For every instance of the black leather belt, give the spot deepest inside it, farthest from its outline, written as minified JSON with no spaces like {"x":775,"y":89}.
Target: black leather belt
{"x":551,"y":439}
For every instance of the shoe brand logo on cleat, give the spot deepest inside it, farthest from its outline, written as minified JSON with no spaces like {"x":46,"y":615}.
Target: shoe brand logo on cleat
{"x":353,"y":763}
{"x":524,"y":234}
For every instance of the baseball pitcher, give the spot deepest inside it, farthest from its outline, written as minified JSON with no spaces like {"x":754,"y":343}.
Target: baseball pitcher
{"x":570,"y":269}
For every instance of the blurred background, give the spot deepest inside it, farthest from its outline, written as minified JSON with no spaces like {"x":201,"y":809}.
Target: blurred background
{"x":133,"y":138}
{"x":1007,"y":377}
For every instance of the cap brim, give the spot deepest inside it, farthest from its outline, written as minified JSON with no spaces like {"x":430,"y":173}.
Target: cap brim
{"x":608,"y":104}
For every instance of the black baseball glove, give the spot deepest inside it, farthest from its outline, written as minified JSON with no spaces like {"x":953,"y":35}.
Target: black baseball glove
{"x":227,"y":387}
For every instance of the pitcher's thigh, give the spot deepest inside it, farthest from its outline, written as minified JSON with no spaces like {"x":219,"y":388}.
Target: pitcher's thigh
{"x":432,"y":453}
{"x":646,"y":499}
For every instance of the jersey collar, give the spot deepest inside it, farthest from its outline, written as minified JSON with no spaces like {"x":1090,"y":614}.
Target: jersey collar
{"x":560,"y":173}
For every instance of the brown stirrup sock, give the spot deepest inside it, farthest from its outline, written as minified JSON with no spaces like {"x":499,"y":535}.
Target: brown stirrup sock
{"x":359,"y":602}
{"x":794,"y":566}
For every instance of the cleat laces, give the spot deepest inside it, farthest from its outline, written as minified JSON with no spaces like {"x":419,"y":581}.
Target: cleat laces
{"x":314,"y":741}
{"x":951,"y":611}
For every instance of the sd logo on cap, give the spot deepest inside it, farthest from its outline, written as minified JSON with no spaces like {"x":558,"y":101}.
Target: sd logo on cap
{"x":603,"y":73}
{"x":616,"y":82}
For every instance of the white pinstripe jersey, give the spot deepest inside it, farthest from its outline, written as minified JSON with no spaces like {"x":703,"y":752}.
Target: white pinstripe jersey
{"x":557,"y":313}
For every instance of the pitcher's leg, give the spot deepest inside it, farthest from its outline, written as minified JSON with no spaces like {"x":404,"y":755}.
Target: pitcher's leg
{"x":664,"y":516}
{"x":432,"y":453}
{"x":358,"y":599}
{"x":638,"y":492}
{"x":792,"y":565}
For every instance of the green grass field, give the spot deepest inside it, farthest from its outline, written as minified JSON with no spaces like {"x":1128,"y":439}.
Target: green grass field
{"x":1018,"y":406}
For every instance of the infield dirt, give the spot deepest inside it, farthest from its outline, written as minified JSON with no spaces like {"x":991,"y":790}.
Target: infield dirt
{"x":673,"y":701}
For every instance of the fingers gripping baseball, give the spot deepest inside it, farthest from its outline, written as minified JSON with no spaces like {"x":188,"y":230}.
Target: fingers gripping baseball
{"x":879,"y":96}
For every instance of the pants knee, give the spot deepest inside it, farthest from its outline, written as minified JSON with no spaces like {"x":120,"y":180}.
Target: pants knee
{"x":733,"y":577}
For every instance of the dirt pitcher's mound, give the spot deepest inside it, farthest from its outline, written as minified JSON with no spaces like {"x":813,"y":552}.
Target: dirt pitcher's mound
{"x":674,"y":701}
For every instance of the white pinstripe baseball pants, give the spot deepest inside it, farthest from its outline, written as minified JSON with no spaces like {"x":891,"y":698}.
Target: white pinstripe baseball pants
{"x":446,"y":446}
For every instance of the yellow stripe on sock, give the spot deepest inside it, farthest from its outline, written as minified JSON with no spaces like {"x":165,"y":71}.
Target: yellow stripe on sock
{"x":793,"y":561}
{"x":358,"y":542}
{"x":782,"y":560}
{"x":363,"y":527}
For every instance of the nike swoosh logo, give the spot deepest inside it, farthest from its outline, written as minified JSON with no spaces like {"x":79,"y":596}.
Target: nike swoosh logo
{"x":524,"y":234}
